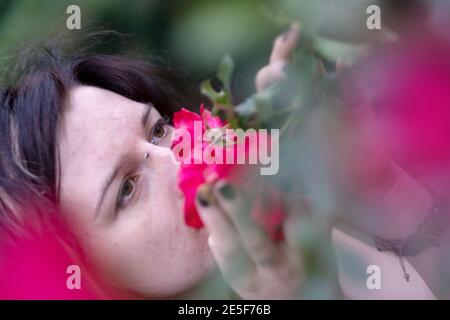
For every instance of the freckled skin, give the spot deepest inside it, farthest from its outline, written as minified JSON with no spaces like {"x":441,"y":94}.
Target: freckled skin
{"x":146,"y":249}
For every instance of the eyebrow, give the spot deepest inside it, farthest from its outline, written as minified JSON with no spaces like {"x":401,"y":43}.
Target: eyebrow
{"x":118,"y":166}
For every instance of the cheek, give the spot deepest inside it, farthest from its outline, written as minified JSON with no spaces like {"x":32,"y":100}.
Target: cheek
{"x":150,"y":249}
{"x":165,"y":208}
{"x":154,"y":257}
{"x":164,"y":195}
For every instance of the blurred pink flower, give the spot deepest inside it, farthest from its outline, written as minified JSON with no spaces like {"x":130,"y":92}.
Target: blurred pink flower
{"x":410,"y":84}
{"x":35,"y":267}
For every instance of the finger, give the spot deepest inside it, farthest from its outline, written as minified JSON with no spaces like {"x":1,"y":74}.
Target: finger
{"x":231,"y":258}
{"x":296,"y":210}
{"x":354,"y":94}
{"x":358,"y":112}
{"x":321,"y":68}
{"x":284,"y":44}
{"x":262,"y":250}
{"x":269,"y":74}
{"x":341,"y":65}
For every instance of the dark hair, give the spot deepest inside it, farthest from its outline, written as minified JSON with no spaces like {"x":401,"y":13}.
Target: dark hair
{"x":32,"y":108}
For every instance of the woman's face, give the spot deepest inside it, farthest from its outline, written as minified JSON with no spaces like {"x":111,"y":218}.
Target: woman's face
{"x":126,"y":209}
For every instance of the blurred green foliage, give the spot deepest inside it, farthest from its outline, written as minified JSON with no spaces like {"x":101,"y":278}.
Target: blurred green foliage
{"x":188,"y":36}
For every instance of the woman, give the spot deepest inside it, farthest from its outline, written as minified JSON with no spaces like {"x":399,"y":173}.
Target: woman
{"x":85,"y":142}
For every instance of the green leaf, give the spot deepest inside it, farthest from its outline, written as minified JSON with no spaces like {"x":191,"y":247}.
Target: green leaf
{"x":221,"y":100}
{"x":246,"y":108}
{"x":333,"y":50}
{"x":217,"y":98}
{"x":225,"y":72}
{"x":207,"y":90}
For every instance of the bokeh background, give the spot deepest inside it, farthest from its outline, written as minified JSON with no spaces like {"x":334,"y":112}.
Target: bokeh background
{"x":191,"y":36}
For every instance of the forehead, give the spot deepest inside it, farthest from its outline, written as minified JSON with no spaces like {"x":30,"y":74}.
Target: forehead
{"x":97,"y":126}
{"x":94,"y":106}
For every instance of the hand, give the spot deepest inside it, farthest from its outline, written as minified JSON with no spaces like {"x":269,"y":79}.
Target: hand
{"x":283,"y":47}
{"x":361,"y":164}
{"x":360,"y":158}
{"x":253,"y":265}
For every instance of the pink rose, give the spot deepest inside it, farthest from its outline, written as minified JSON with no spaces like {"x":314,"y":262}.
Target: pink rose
{"x":197,"y":166}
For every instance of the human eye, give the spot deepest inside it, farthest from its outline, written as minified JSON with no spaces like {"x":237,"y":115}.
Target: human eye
{"x":159,"y":130}
{"x":127,"y":189}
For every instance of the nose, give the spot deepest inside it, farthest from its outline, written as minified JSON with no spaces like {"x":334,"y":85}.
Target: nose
{"x":159,"y":153}
{"x":160,"y":160}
